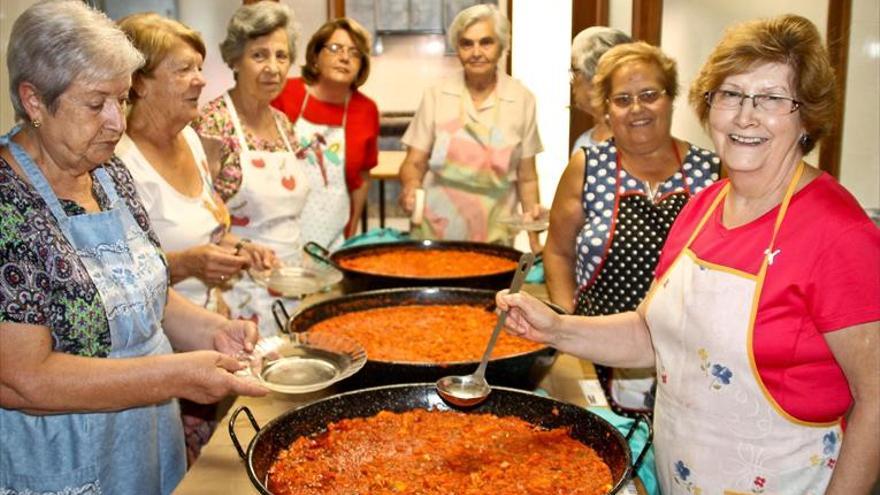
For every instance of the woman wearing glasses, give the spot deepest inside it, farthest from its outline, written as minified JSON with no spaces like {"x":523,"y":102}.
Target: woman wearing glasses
{"x":616,"y":201}
{"x":764,"y":320}
{"x":337,"y":127}
{"x":473,"y":140}
{"x":253,"y":149}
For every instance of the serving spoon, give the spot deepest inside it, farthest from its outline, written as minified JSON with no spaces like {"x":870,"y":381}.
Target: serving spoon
{"x":470,"y":390}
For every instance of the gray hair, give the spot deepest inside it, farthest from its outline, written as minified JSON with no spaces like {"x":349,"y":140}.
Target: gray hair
{"x":54,"y":43}
{"x":255,"y":20}
{"x":481,"y":12}
{"x":590,"y":44}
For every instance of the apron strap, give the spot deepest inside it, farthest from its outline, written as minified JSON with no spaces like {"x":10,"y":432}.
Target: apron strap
{"x":302,"y":108}
{"x":783,"y":208}
{"x":236,"y":123}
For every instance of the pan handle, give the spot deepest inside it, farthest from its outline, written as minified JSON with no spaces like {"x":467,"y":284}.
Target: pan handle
{"x":632,"y":429}
{"x":320,"y":253}
{"x":235,"y":442}
{"x":278,"y":306}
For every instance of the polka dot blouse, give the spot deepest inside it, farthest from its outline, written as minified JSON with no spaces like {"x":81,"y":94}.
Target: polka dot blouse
{"x":626,"y":225}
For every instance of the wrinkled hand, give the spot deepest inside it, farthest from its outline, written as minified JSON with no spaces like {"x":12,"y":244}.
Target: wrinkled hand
{"x":236,"y":337}
{"x":528,"y":317}
{"x":208,"y":377}
{"x":259,"y":256}
{"x":215,"y":264}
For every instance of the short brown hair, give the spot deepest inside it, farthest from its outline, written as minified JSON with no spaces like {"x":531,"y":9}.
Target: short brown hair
{"x":627,"y":53}
{"x":359,"y":36}
{"x":154,"y":36}
{"x":789,"y":39}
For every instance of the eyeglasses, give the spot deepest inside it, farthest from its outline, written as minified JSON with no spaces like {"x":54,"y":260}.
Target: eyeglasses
{"x":725,"y":99}
{"x":337,"y":49}
{"x":646,"y":97}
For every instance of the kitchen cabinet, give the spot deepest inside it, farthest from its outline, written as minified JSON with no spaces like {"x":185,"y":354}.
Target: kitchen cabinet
{"x":407,"y":16}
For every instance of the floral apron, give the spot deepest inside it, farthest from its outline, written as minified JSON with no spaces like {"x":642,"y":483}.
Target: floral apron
{"x":266,"y":209}
{"x":137,"y":450}
{"x":717,"y":430}
{"x":469,"y":185}
{"x":329,"y":207}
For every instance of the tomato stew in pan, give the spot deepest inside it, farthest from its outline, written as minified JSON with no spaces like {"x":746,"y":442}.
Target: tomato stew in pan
{"x":441,"y":333}
{"x":439,"y":452}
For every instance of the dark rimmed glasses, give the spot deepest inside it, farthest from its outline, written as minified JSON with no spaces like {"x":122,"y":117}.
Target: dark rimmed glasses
{"x":726,"y":99}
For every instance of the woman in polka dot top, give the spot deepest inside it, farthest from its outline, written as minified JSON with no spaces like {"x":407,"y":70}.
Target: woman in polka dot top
{"x":617,"y":200}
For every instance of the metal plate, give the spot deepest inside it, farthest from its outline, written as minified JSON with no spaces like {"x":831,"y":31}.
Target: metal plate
{"x":312,"y":362}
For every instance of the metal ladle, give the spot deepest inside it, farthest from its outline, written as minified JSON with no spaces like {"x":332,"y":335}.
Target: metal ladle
{"x":470,"y":390}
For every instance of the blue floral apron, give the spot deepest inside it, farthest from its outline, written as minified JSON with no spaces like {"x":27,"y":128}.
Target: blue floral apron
{"x":138,"y":450}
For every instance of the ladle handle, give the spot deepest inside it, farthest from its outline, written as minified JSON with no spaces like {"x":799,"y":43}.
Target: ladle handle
{"x":522,"y":269}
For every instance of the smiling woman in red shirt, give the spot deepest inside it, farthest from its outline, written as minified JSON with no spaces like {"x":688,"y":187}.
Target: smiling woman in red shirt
{"x":337,"y":127}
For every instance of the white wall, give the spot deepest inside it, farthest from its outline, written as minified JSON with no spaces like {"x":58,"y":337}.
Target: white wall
{"x":860,"y":159}
{"x":541,"y":58}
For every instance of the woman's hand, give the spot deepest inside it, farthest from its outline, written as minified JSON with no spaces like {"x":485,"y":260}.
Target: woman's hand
{"x":528,"y":317}
{"x":208,"y":376}
{"x":211,"y":263}
{"x":259,"y":256}
{"x":234,"y":337}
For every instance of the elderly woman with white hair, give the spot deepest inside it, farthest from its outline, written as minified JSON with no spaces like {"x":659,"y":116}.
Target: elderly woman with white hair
{"x":88,"y":324}
{"x":252,"y":145}
{"x":586,"y":49}
{"x":472,"y":143}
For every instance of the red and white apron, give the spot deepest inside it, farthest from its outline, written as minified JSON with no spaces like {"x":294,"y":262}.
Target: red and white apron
{"x":323,"y":148}
{"x":470,"y":184}
{"x":717,"y":428}
{"x":267,"y":210}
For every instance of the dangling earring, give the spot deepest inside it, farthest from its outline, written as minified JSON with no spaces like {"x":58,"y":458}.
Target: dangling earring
{"x":805,"y":138}
{"x":36,"y":124}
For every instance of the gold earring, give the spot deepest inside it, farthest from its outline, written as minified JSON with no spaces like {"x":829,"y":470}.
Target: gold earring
{"x":36,"y":124}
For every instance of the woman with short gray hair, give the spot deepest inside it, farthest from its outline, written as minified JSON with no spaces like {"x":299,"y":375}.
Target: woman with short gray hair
{"x":252,"y":148}
{"x":88,"y":325}
{"x":586,"y":50}
{"x":472,"y":143}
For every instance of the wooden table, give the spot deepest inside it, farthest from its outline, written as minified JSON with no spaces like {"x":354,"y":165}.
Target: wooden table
{"x":219,"y":470}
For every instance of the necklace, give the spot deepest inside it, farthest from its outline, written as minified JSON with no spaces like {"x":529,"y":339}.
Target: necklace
{"x":652,"y":191}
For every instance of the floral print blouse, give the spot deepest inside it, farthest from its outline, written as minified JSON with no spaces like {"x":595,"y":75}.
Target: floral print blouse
{"x":42,"y":280}
{"x":215,"y":122}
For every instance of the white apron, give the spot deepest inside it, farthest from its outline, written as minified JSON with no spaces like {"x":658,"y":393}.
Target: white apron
{"x":266,"y":209}
{"x":470,"y":185}
{"x":717,"y":430}
{"x":329,"y":207}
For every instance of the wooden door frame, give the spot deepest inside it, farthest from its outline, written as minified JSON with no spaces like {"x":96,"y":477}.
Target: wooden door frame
{"x":584,"y":13}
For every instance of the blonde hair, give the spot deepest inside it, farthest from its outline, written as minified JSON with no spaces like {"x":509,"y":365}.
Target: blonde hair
{"x":791,"y":40}
{"x":627,"y":53}
{"x":155,"y":36}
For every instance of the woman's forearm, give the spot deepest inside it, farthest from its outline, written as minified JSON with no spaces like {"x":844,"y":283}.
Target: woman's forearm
{"x":858,"y":465}
{"x":178,"y":266}
{"x":188,"y":326}
{"x":620,"y":340}
{"x":559,"y":272}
